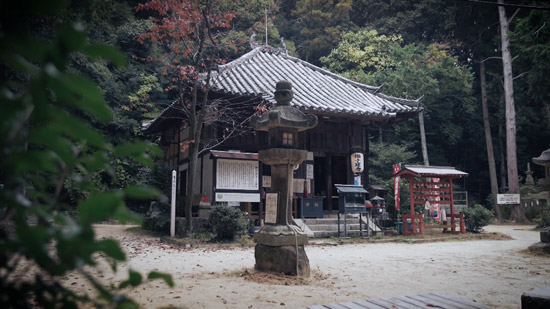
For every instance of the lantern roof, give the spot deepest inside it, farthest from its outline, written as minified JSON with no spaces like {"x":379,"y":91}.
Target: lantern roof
{"x":350,"y":189}
{"x":543,"y":159}
{"x":283,"y":115}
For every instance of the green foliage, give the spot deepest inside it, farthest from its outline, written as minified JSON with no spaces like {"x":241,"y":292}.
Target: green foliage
{"x":228,"y":221}
{"x":48,"y":139}
{"x":381,"y":160}
{"x":362,"y":52}
{"x":160,"y":221}
{"x":321,"y":23}
{"x":545,"y":218}
{"x":477,"y":217}
{"x":414,"y":71}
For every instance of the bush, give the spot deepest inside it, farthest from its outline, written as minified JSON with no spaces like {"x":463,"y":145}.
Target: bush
{"x":545,"y":218}
{"x":228,"y":221}
{"x":157,"y":218}
{"x":477,"y":217}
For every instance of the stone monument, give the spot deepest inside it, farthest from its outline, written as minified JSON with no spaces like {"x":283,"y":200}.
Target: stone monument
{"x":280,"y":244}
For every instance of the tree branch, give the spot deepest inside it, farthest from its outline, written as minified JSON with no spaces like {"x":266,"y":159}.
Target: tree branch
{"x":522,"y":74}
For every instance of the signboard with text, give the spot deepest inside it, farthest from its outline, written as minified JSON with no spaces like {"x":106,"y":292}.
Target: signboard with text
{"x":237,"y":174}
{"x":508,"y":199}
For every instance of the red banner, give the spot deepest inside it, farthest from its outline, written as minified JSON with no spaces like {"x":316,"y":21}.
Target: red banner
{"x":396,"y":169}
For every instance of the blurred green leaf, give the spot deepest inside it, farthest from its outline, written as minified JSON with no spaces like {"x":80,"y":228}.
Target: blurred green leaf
{"x":112,"y":249}
{"x":123,"y":215}
{"x":141,"y":192}
{"x":34,"y":161}
{"x":99,"y":206}
{"x":96,"y":161}
{"x":77,"y":90}
{"x":134,"y":279}
{"x":46,"y":7}
{"x":112,"y":53}
{"x":126,"y":303}
{"x":131,"y":149}
{"x":71,"y":36}
{"x":158,"y":275}
{"x":136,"y":151}
{"x":76,"y":129}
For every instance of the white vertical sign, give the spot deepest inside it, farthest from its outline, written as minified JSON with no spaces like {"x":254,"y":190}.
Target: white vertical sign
{"x":271,"y":207}
{"x":173,"y":205}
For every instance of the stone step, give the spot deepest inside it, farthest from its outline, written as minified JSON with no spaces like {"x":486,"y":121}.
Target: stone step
{"x":334,"y":227}
{"x":328,"y":234}
{"x":328,"y":227}
{"x":330,"y":221}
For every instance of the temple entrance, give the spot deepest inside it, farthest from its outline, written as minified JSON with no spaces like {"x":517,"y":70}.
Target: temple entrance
{"x":339,"y":170}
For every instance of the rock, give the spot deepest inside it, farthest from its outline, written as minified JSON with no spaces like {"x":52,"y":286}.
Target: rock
{"x":540,"y":247}
{"x":282,"y":259}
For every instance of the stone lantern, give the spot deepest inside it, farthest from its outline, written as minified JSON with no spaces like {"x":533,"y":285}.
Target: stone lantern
{"x":544,"y":160}
{"x":280,"y":244}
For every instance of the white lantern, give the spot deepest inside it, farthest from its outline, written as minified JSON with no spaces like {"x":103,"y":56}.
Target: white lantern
{"x":357,"y":162}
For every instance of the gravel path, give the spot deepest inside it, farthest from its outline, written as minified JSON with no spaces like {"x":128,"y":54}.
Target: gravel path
{"x":492,"y":272}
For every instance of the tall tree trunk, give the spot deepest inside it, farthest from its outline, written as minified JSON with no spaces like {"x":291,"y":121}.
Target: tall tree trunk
{"x":191,"y":172}
{"x":503,"y":182}
{"x":423,"y":139}
{"x":511,"y":155}
{"x":489,"y":141}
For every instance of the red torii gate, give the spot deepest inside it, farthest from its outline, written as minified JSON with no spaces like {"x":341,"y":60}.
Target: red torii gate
{"x":423,"y":188}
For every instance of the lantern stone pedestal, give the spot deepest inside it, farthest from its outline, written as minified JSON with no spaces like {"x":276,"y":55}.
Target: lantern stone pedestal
{"x":279,"y":244}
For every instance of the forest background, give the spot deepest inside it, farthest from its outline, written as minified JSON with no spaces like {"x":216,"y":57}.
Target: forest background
{"x":427,"y":48}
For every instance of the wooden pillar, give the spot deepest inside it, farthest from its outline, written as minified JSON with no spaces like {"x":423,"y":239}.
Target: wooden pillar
{"x":411,"y":196}
{"x":328,"y":169}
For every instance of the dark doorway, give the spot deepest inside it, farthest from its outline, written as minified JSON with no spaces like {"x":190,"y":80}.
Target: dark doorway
{"x":339,"y":171}
{"x":319,"y":176}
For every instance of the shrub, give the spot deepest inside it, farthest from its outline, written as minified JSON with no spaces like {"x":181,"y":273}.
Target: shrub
{"x":545,"y":218}
{"x":477,"y":217}
{"x":158,"y":218}
{"x":228,"y":221}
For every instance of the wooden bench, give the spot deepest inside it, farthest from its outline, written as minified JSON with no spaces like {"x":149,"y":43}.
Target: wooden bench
{"x":427,"y":300}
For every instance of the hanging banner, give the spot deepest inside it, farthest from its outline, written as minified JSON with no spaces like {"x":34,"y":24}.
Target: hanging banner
{"x":437,"y":199}
{"x":396,"y":169}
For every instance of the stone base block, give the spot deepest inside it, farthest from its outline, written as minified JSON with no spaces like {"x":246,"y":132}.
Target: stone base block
{"x":536,"y":299}
{"x":282,"y":259}
{"x":545,"y":236}
{"x":540,"y":247}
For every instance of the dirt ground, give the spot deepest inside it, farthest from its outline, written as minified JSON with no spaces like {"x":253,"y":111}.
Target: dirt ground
{"x":492,"y":272}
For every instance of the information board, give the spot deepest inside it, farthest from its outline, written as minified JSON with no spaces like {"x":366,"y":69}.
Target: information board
{"x":508,"y":199}
{"x":237,"y":174}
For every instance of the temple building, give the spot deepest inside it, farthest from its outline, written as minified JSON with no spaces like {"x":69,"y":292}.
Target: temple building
{"x":230,"y":172}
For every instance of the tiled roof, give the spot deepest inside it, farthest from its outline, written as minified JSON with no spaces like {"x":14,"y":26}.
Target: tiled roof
{"x":430,"y":171}
{"x":315,"y":89}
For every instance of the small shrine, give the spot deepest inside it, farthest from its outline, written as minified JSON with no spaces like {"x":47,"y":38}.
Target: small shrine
{"x":280,"y":244}
{"x":431,"y":185}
